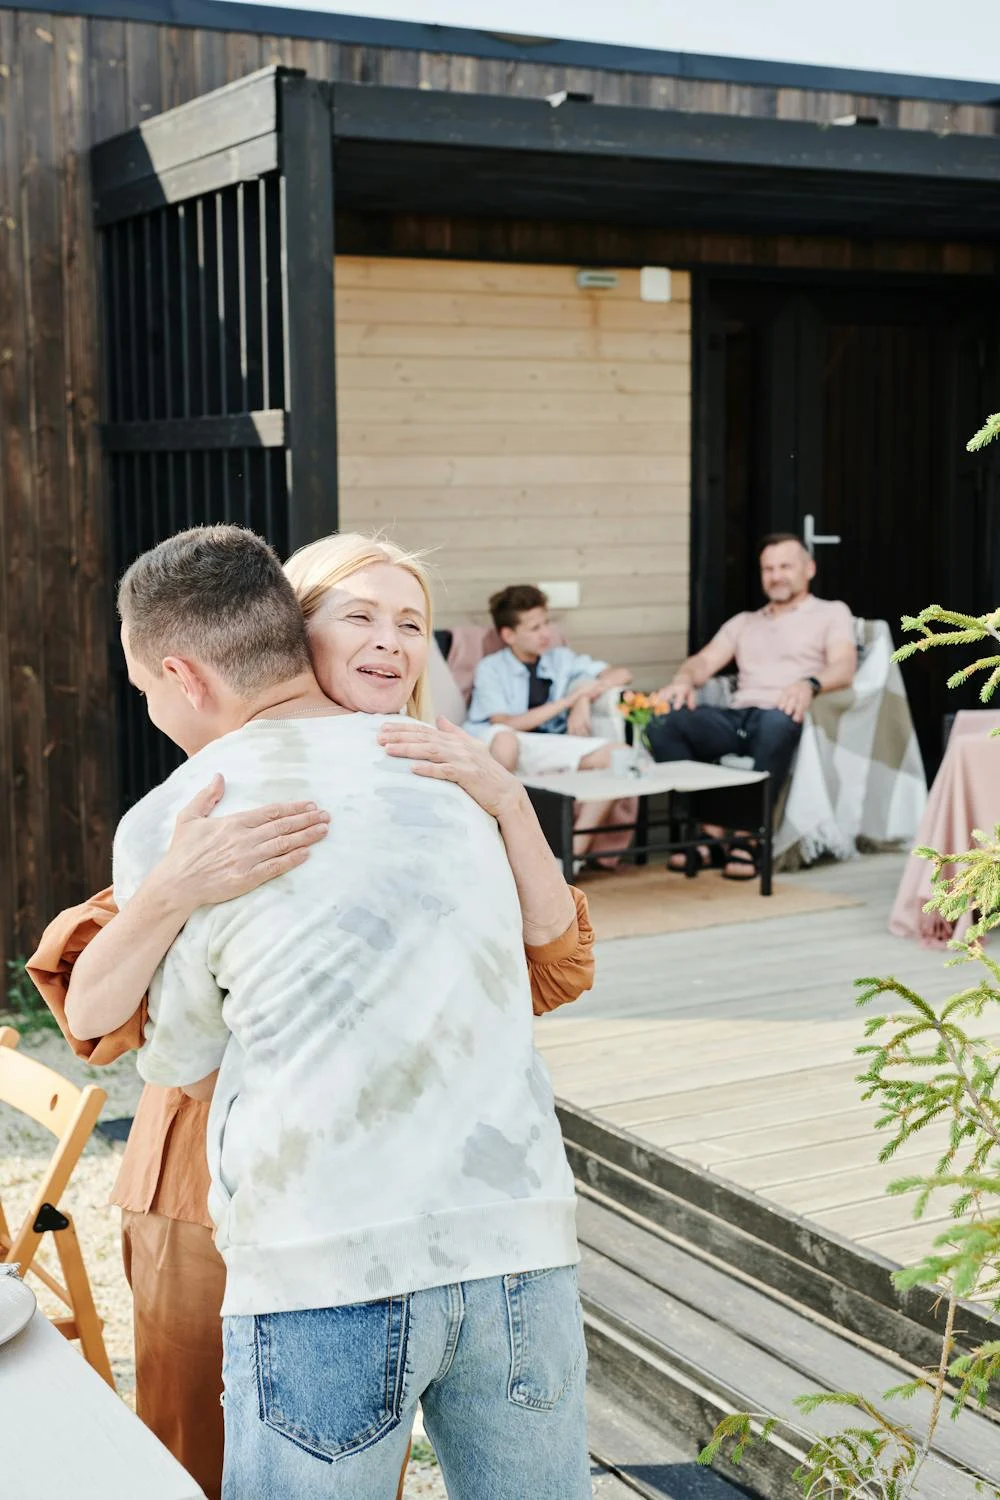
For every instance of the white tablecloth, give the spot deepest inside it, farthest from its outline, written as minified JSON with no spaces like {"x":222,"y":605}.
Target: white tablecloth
{"x":965,"y":796}
{"x":64,"y":1432}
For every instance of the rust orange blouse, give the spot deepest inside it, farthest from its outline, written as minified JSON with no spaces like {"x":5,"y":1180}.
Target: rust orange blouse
{"x":164,"y":1169}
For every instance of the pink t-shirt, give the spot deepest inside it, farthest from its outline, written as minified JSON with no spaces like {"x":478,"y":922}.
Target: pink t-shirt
{"x":774,"y":650}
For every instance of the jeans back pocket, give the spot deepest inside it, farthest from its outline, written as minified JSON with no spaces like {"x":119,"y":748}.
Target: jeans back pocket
{"x":331,"y":1379}
{"x":546,"y":1335}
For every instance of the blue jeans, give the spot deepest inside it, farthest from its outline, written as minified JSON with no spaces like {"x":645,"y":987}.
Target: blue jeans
{"x":319,"y":1404}
{"x":707,"y":733}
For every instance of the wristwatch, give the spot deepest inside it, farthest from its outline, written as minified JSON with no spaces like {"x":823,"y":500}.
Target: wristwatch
{"x":815,"y":684}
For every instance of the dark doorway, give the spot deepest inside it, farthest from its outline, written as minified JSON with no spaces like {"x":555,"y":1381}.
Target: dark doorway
{"x":850,"y":404}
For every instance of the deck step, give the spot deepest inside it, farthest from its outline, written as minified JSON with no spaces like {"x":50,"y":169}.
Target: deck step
{"x":662,"y":1394}
{"x":682,"y":1370}
{"x":606,"y":1485}
{"x":810,"y":1267}
{"x":635,"y":1458}
{"x":678,"y":1340}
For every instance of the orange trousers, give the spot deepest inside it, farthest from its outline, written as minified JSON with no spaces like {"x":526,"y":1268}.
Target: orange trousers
{"x":177,"y":1278}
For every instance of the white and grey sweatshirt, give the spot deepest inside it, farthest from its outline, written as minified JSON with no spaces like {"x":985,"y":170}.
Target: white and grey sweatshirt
{"x":382,"y":1122}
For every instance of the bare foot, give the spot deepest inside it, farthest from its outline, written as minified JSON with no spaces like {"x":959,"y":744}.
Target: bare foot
{"x":741,"y":863}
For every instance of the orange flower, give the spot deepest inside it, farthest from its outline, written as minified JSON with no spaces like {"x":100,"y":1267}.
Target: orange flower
{"x":639,"y":708}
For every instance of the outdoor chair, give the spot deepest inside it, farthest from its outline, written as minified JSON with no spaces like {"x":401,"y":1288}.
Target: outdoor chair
{"x":70,"y":1114}
{"x":858,"y":776}
{"x":451,"y":690}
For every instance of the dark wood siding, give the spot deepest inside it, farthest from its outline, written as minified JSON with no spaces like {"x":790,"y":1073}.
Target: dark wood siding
{"x":57,"y":90}
{"x":66,"y":82}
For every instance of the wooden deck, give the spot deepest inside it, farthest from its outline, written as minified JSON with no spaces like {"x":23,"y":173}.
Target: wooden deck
{"x":733,"y":1047}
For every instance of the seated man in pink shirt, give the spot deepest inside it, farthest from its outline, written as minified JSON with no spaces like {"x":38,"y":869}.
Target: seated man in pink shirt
{"x":794,"y":648}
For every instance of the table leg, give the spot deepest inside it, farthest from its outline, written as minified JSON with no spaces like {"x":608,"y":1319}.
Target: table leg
{"x":684,"y":829}
{"x":642,"y":830}
{"x":766,"y":837}
{"x":555,"y":815}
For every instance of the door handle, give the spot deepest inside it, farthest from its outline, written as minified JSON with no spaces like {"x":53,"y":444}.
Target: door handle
{"x":810,"y":540}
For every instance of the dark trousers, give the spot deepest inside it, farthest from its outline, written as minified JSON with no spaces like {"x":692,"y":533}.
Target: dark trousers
{"x":707,"y":733}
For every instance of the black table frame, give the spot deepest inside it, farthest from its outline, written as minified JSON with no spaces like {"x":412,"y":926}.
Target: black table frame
{"x":555,"y":812}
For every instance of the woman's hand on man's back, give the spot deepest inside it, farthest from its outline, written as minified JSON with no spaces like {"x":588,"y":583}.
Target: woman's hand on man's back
{"x":217,"y":859}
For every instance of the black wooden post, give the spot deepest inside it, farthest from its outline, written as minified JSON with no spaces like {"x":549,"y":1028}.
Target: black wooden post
{"x":306,"y":159}
{"x":216,"y":222}
{"x":766,"y":838}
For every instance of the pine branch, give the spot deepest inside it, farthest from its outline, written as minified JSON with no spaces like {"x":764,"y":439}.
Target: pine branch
{"x":989,"y":430}
{"x":986,"y":1124}
{"x":925,"y":1066}
{"x":947,"y":1349}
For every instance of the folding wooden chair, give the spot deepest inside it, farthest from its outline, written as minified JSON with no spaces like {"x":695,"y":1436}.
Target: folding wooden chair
{"x":70,"y":1114}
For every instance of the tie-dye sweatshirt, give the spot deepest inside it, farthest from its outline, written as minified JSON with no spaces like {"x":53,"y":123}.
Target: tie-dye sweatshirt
{"x":381,"y":1122}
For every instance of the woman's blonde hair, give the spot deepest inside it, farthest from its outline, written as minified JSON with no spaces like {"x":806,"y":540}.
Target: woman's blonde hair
{"x":319,"y":567}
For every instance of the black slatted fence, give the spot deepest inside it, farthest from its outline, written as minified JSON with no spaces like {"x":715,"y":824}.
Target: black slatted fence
{"x":217,"y":260}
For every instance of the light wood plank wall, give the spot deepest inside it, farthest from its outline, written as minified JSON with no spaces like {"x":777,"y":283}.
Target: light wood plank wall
{"x":526,"y":431}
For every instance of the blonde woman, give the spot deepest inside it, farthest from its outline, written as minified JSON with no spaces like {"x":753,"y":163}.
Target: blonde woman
{"x":364,"y":643}
{"x":94,"y":971}
{"x":349,"y":585}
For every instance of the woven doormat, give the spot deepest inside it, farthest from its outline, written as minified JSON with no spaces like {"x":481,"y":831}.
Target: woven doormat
{"x":638,"y":902}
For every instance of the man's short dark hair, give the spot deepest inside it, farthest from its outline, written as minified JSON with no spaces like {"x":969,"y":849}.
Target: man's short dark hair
{"x":217,"y":593}
{"x":515,"y":600}
{"x":776,"y":538}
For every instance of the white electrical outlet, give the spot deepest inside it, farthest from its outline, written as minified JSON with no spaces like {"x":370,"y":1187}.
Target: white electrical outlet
{"x":562,"y":595}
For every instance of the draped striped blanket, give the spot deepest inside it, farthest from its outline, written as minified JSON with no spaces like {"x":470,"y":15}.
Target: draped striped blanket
{"x":857,"y":775}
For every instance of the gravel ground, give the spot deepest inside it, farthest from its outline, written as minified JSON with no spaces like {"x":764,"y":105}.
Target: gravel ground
{"x":24,"y":1150}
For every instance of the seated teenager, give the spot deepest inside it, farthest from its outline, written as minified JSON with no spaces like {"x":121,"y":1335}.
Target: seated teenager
{"x":531,"y":702}
{"x":100,"y":970}
{"x":390,"y":1189}
{"x":786,"y":654}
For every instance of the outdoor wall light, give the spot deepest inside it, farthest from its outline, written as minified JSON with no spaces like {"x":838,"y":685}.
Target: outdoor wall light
{"x":655,"y":284}
{"x":596,"y":281}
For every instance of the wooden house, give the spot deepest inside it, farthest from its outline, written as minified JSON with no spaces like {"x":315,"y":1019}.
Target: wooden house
{"x":560,"y":311}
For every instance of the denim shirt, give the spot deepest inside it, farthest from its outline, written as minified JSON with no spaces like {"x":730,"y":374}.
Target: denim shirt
{"x":501,"y":685}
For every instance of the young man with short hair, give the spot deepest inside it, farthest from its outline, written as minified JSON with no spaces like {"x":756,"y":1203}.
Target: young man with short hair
{"x":532,"y":701}
{"x":389,"y":1184}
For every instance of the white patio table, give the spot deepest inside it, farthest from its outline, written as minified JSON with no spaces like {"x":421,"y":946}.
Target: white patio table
{"x":62,"y":1430}
{"x":553,"y":797}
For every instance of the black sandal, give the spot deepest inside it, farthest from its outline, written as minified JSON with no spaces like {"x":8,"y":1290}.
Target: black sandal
{"x":701,"y":857}
{"x":750,"y":863}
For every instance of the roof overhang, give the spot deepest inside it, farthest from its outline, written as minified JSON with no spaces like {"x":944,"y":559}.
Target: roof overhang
{"x":418,"y":151}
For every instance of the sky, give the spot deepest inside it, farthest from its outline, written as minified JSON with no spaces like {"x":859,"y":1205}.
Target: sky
{"x":958,"y":39}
